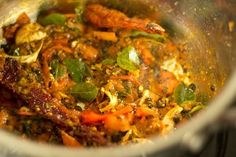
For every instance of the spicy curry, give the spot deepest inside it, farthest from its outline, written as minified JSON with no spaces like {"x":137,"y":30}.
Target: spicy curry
{"x":94,"y":77}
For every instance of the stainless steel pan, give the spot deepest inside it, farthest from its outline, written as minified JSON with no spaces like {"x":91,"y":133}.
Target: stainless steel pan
{"x":206,"y":27}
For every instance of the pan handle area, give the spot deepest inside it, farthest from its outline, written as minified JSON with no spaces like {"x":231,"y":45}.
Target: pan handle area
{"x":194,"y":142}
{"x":229,"y":117}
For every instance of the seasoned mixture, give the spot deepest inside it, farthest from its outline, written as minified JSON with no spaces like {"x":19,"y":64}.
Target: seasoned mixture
{"x":92,"y":77}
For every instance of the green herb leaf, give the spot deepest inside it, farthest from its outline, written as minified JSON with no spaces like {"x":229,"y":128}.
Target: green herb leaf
{"x":85,"y":91}
{"x":58,"y":70}
{"x":108,"y":61}
{"x":128,"y":59}
{"x":183,"y":93}
{"x":77,"y":69}
{"x":54,"y":18}
{"x":79,"y":10}
{"x":197,"y":108}
{"x":156,"y":37}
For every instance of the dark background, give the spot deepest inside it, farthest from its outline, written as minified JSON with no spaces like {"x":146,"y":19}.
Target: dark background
{"x":220,"y":144}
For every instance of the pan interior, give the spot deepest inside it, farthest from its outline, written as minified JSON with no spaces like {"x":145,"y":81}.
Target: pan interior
{"x":204,"y":32}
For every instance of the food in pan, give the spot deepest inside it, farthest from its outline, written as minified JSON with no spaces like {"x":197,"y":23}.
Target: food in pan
{"x":93,"y":77}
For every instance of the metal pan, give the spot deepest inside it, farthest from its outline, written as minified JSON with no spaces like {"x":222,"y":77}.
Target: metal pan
{"x":204,"y":26}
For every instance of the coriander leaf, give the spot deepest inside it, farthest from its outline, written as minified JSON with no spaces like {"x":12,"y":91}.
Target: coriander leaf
{"x":156,"y":37}
{"x":58,"y":70}
{"x":54,"y":18}
{"x":183,"y":93}
{"x":85,"y":91}
{"x":108,"y":61}
{"x":128,"y":59}
{"x":77,"y":69}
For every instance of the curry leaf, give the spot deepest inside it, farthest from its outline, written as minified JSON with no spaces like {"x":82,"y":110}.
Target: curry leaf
{"x":156,"y":37}
{"x":108,"y":61}
{"x":197,"y":108}
{"x":128,"y":59}
{"x":183,"y":93}
{"x":85,"y":91}
{"x":54,"y":18}
{"x":58,"y":70}
{"x":76,"y":68}
{"x":79,"y":10}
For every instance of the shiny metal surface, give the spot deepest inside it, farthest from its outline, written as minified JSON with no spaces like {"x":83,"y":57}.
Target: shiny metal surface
{"x":203,"y":25}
